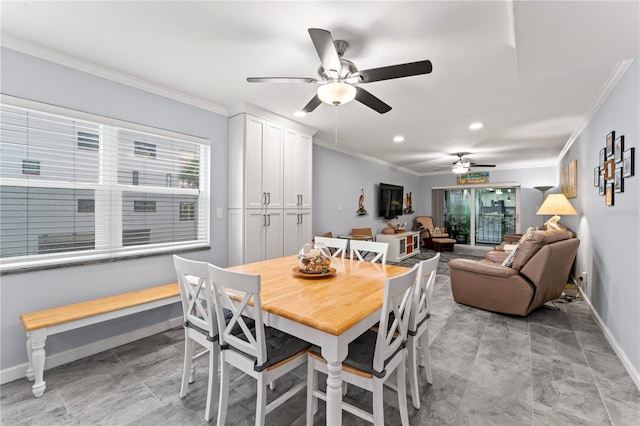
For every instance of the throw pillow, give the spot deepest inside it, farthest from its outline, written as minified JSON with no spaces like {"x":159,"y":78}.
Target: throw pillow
{"x":508,"y":261}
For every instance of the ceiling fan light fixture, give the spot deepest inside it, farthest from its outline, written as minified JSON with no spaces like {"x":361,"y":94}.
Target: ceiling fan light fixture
{"x":460,"y":167}
{"x":336,"y":93}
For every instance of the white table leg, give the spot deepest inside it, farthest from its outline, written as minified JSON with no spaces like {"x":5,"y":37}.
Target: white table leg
{"x":334,"y":357}
{"x":30,"y":375}
{"x":37,"y":339}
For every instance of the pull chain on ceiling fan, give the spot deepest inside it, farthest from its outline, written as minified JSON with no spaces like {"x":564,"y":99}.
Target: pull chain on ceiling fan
{"x":338,"y":76}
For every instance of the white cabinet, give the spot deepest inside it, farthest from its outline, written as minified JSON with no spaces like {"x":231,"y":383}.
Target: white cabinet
{"x":297,"y":149}
{"x":401,"y":245}
{"x":269,"y":189}
{"x":297,"y":230}
{"x":261,"y":147}
{"x":263,"y":234}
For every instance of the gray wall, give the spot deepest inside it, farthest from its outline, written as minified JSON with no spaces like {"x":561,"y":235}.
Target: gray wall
{"x":32,"y":78}
{"x":530,"y":199}
{"x":610,"y":235}
{"x":337,"y":180}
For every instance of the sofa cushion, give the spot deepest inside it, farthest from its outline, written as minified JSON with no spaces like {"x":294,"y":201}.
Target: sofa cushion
{"x":508,"y":261}
{"x":531,"y":245}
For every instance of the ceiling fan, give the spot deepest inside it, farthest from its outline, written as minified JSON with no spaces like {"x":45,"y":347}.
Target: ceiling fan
{"x":463,"y":166}
{"x":338,"y":77}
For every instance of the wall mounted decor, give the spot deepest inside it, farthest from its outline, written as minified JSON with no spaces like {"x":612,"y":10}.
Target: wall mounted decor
{"x":618,"y":147}
{"x":609,"y":169}
{"x":618,"y":182}
{"x":569,"y":180}
{"x":609,"y":145}
{"x":627,"y":162}
{"x":614,"y":165}
{"x":476,"y":177}
{"x":609,"y":195}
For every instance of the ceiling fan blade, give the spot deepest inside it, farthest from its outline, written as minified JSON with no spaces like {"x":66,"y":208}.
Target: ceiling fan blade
{"x":313,"y":104}
{"x":281,"y":80}
{"x":482,"y":165}
{"x":371,"y":101}
{"x":396,"y":71}
{"x":323,"y":42}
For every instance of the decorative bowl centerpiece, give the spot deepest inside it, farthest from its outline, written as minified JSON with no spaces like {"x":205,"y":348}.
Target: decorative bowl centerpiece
{"x":314,"y":258}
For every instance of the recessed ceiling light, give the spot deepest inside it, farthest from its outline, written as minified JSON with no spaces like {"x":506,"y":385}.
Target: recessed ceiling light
{"x":475,"y":126}
{"x":398,"y":139}
{"x":299,"y":113}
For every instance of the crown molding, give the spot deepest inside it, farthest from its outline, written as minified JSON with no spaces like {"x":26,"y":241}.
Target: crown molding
{"x":247,"y":108}
{"x":82,"y":65}
{"x":612,"y":82}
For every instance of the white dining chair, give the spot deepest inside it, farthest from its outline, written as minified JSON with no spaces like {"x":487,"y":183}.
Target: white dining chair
{"x":418,"y":334}
{"x":200,"y":324}
{"x":373,"y":356}
{"x":263,"y":353}
{"x":338,"y":244}
{"x":360,"y":250}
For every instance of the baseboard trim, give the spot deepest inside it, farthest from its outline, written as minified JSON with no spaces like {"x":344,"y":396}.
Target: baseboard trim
{"x":635,"y":376}
{"x":19,"y":371}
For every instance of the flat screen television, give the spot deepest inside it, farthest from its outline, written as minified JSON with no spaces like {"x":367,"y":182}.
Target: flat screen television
{"x":390,"y":198}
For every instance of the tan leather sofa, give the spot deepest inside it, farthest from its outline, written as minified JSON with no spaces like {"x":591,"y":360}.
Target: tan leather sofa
{"x":538,"y":274}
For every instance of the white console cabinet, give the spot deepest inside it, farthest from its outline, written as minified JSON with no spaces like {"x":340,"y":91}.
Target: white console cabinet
{"x":269,"y":199}
{"x":401,"y":245}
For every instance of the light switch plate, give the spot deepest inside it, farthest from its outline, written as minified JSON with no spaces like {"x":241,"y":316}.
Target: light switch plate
{"x":219,"y":213}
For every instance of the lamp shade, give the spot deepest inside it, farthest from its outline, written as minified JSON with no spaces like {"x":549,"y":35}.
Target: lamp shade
{"x":556,"y":204}
{"x":336,"y":93}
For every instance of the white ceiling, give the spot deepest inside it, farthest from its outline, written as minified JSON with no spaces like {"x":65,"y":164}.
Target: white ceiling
{"x":532,"y":72}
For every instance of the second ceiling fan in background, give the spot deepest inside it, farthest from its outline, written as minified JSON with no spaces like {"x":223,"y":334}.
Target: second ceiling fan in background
{"x":338,"y":77}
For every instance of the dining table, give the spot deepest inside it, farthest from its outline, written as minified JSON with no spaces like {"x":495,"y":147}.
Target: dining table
{"x":328,"y":310}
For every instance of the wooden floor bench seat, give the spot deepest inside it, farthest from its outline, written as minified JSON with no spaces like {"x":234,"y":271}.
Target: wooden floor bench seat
{"x":41,"y":324}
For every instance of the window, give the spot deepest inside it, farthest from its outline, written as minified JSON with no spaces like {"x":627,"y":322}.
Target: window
{"x":86,"y":206}
{"x":88,"y":140}
{"x":75,"y":186}
{"x":144,"y":149}
{"x":30,"y":167}
{"x":187,"y":211}
{"x":144,"y":206}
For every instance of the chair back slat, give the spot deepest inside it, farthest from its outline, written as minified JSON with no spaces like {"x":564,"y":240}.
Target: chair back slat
{"x":240,"y":294}
{"x":339,"y":245}
{"x":379,"y":249}
{"x":196,"y":294}
{"x":427,"y":271}
{"x":394,"y":319}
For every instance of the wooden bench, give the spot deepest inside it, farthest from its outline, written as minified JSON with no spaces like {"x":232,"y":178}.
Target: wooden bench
{"x":41,"y":324}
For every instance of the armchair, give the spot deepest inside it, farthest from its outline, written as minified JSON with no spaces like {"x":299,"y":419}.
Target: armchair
{"x":424,"y":224}
{"x":538,"y":273}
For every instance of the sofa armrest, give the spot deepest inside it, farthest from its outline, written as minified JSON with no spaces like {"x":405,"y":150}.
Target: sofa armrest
{"x":496,"y":256}
{"x":484,"y":268}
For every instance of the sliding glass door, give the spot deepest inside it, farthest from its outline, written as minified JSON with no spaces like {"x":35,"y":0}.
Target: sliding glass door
{"x":481,"y":215}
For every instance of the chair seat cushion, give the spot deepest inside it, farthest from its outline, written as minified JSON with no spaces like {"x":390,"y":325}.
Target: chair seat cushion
{"x":361,"y":352}
{"x":280,"y":346}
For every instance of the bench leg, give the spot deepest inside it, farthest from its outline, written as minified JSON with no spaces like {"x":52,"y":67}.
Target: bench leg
{"x":36,"y":341}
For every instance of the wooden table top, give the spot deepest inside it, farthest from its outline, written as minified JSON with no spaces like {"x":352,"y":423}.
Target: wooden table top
{"x":333,"y":304}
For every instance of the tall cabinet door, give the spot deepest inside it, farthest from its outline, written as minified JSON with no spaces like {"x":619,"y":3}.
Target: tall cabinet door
{"x":263,"y":163}
{"x":297,"y":152}
{"x":273,"y":244}
{"x":254,"y":235}
{"x":297,"y":230}
{"x":254,"y":137}
{"x":272,"y":165}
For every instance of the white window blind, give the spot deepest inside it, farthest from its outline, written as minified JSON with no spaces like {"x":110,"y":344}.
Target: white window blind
{"x":75,"y":189}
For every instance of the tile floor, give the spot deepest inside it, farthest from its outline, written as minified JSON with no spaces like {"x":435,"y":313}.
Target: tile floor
{"x":554,"y":367}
